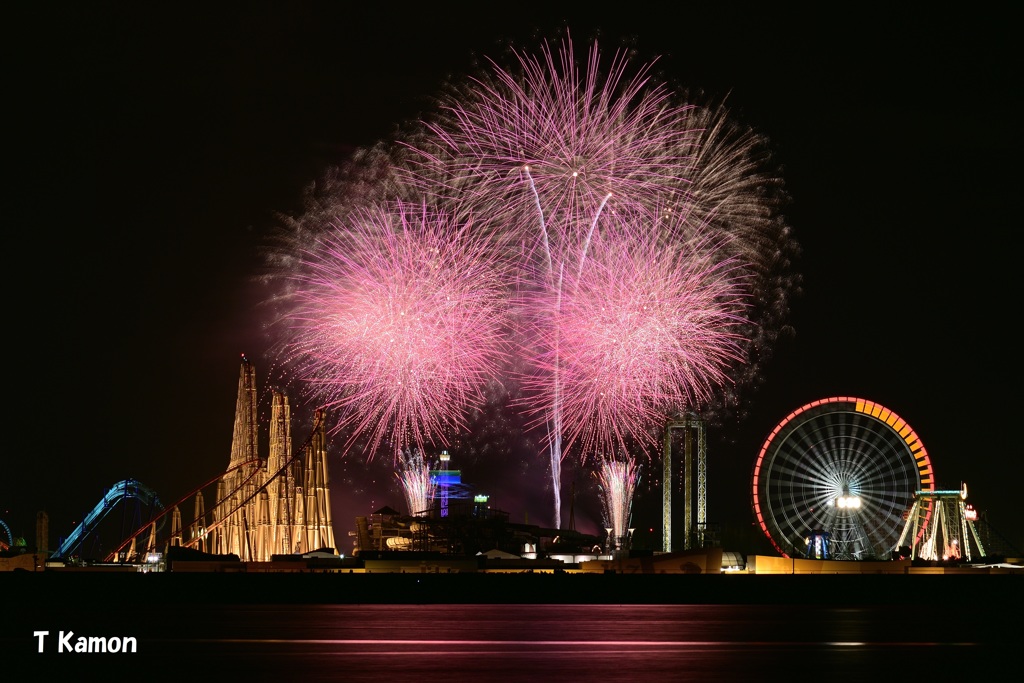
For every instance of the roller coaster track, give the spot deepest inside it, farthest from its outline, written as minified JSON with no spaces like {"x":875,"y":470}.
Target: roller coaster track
{"x":10,"y":538}
{"x":145,"y":527}
{"x":113,"y":556}
{"x":122,"y":490}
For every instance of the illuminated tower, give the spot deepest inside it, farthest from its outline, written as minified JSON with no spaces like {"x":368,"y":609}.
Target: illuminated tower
{"x":319,"y":530}
{"x":232,"y":526}
{"x":281,"y":470}
{"x":276,"y":505}
{"x":443,"y":480}
{"x":693,"y":534}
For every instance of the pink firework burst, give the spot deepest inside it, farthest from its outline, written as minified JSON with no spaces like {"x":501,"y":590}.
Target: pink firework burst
{"x":549,"y":146}
{"x":551,"y":142}
{"x":398,"y":323}
{"x":642,"y":328}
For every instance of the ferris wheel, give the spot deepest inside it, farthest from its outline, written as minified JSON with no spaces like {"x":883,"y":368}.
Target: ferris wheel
{"x":836,"y":478}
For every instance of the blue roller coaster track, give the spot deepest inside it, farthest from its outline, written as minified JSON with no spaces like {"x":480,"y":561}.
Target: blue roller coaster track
{"x":10,"y":538}
{"x":122,"y":491}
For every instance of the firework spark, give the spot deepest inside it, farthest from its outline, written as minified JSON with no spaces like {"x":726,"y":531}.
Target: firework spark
{"x":397,"y":322}
{"x":417,"y":484}
{"x":617,"y":481}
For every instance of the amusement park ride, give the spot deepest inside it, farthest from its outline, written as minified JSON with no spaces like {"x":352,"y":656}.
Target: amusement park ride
{"x":840,"y":478}
{"x":945,"y":536}
{"x":263,"y":506}
{"x":848,"y":479}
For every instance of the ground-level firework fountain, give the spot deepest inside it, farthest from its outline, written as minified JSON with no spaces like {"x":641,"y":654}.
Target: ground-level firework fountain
{"x":417,"y":483}
{"x":618,"y":480}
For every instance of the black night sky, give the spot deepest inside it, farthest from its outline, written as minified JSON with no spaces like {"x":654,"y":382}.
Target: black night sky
{"x":151,"y":151}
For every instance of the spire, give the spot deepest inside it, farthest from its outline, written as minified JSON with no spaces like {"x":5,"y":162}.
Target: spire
{"x":243,"y":443}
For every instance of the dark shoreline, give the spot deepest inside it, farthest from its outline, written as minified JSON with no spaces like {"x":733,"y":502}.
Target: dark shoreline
{"x":1005,"y":591}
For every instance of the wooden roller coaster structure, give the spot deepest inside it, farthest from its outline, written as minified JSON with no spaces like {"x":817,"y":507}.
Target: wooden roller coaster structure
{"x":263,"y":506}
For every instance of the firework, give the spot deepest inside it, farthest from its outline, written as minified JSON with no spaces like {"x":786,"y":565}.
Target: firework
{"x":625,"y":245}
{"x":417,"y":484}
{"x":642,"y":329}
{"x":737,"y":192}
{"x":551,"y":144}
{"x":557,"y":154}
{"x":397,"y":323}
{"x":617,"y":481}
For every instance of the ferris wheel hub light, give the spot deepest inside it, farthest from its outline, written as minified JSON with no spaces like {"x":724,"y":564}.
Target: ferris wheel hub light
{"x":848,"y":502}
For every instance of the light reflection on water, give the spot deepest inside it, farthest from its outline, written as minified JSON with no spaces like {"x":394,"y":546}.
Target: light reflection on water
{"x":423,"y":643}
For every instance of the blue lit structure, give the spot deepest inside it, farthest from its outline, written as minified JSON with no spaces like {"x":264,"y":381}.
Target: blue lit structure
{"x":127,"y":489}
{"x":10,"y":537}
{"x":817,"y":546}
{"x":443,"y":480}
{"x":448,"y":486}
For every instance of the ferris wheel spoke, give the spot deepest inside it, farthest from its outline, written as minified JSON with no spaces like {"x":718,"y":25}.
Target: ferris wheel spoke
{"x":813,"y":465}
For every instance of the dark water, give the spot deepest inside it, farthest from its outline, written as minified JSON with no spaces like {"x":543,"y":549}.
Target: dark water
{"x":523,"y":642}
